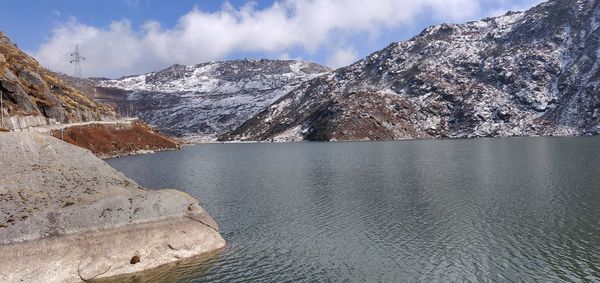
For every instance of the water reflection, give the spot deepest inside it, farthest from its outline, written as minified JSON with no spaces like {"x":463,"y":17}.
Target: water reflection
{"x":451,"y":210}
{"x":182,"y":271}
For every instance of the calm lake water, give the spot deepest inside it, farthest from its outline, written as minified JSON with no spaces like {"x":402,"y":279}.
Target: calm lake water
{"x":522,"y":209}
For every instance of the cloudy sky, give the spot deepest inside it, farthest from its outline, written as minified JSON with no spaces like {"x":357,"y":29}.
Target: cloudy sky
{"x":125,"y":37}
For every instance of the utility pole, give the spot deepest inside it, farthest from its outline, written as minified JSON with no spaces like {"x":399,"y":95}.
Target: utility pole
{"x":62,"y":127}
{"x":77,"y":58}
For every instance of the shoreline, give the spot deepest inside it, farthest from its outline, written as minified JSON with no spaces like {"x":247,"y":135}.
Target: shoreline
{"x":390,"y":140}
{"x":107,"y":253}
{"x":67,"y":216}
{"x":135,"y":152}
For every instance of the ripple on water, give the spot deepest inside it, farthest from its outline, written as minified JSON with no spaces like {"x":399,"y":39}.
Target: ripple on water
{"x":455,"y":210}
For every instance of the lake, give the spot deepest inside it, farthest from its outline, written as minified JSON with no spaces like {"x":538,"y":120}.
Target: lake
{"x":518,"y":209}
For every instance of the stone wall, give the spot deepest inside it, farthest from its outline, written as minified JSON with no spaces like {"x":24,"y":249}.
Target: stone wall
{"x":23,"y":123}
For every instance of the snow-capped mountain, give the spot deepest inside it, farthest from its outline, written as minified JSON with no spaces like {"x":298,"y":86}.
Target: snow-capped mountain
{"x":204,"y":100}
{"x":524,"y":73}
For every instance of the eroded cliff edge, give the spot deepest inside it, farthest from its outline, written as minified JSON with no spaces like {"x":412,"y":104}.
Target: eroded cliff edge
{"x":66,"y":216}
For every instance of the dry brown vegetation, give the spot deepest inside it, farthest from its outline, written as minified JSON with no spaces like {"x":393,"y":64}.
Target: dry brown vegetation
{"x":116,"y":140}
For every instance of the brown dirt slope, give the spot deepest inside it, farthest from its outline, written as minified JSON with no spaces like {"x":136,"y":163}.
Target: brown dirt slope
{"x":117,"y":140}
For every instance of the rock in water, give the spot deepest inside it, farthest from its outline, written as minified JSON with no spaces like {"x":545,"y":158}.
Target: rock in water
{"x":66,"y":216}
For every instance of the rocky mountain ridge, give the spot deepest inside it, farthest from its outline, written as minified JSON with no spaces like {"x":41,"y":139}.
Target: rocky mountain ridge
{"x":522,"y":74}
{"x":30,"y":90}
{"x":207,"y":99}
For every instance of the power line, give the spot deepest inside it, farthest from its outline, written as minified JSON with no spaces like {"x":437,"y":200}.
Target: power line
{"x":77,"y":59}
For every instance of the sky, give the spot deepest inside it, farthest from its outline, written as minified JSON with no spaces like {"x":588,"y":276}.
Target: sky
{"x":128,"y":37}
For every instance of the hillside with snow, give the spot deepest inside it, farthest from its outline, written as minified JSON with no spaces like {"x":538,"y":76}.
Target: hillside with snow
{"x":204,"y":100}
{"x":522,"y":74}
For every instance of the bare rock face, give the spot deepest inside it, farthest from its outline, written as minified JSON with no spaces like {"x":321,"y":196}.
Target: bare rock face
{"x":521,"y":74}
{"x":67,"y":216}
{"x":208,"y":99}
{"x":30,"y":90}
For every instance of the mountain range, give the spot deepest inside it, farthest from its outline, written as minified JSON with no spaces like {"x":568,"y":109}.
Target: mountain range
{"x":201,"y":101}
{"x":521,"y":74}
{"x":531,"y":73}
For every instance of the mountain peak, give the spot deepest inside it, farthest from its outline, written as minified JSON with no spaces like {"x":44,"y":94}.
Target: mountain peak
{"x":211,"y":98}
{"x":523,"y":73}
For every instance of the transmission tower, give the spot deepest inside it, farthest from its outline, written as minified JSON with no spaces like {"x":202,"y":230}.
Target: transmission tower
{"x":77,"y":59}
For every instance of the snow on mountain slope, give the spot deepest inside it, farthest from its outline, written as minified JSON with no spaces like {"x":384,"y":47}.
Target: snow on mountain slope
{"x":521,"y":74}
{"x":204,"y":100}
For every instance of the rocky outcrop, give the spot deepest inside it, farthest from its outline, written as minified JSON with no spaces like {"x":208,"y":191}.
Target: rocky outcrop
{"x":207,"y":99}
{"x":35,"y":98}
{"x":521,"y":74}
{"x":66,"y":216}
{"x":30,"y":90}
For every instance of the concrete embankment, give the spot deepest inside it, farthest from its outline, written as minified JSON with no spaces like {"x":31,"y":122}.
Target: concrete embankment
{"x":66,"y":216}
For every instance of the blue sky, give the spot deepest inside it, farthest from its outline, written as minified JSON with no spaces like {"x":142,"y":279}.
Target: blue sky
{"x":124,"y":37}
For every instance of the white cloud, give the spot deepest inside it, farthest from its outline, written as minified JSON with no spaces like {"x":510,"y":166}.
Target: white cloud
{"x":116,"y":50}
{"x":132,"y":3}
{"x":308,"y":25}
{"x":342,"y":57}
{"x":505,"y":7}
